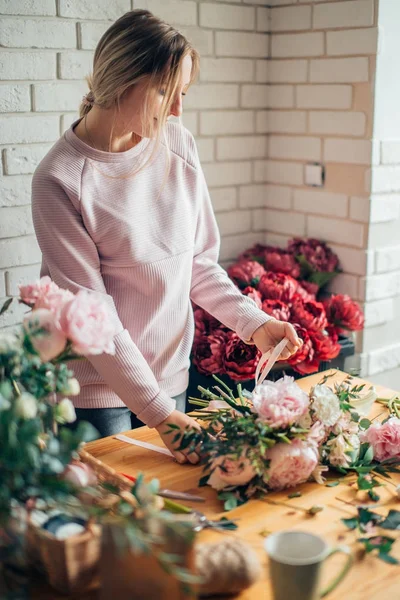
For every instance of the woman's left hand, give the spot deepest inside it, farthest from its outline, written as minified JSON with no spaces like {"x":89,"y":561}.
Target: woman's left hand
{"x":272,"y":332}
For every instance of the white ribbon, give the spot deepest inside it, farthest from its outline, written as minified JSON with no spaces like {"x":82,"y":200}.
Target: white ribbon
{"x":271,"y":356}
{"x":147,"y":445}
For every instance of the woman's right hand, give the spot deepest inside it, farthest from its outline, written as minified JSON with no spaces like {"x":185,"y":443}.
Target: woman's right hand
{"x":182,"y":421}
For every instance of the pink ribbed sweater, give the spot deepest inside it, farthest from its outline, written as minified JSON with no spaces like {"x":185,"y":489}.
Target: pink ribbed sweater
{"x":148,"y":245}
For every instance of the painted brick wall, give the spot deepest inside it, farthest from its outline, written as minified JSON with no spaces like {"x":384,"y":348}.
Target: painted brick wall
{"x":46,"y":51}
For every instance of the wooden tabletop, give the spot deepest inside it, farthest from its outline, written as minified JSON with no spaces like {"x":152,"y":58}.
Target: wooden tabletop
{"x":368,"y":578}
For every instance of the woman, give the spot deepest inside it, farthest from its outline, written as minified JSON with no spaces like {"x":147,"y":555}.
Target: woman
{"x":120,"y":207}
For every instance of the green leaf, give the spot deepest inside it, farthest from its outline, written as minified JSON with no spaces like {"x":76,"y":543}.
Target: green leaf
{"x":374,"y":496}
{"x":392,"y":520}
{"x":203,"y":480}
{"x":294,"y":495}
{"x":332,"y":484}
{"x":5,"y":306}
{"x":351,"y":523}
{"x":230,"y":500}
{"x":388,"y":558}
{"x":368,"y":456}
{"x":365,"y":423}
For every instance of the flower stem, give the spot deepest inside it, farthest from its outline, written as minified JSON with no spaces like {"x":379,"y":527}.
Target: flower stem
{"x":16,"y":388}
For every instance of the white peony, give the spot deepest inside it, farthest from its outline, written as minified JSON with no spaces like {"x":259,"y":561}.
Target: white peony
{"x":26,"y":406}
{"x":325,"y":405}
{"x":73,"y":387}
{"x":65,"y":411}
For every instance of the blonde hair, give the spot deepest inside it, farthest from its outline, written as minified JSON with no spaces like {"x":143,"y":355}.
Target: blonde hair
{"x":139,"y":45}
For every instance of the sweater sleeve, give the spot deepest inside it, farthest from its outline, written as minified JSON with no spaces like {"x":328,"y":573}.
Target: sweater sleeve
{"x":72,"y":260}
{"x":211,"y":287}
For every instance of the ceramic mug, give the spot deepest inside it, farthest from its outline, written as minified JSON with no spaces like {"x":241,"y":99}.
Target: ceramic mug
{"x":296,"y":559}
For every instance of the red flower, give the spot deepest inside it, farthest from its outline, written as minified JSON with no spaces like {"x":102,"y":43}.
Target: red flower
{"x":208,"y":352}
{"x":256,"y":252}
{"x":277,"y":286}
{"x":344,"y":313}
{"x":304,"y":361}
{"x":240,"y":360}
{"x":281,"y":261}
{"x":325,"y":344}
{"x":204,"y":322}
{"x":310,"y":315}
{"x":246,"y":272}
{"x":277,"y":309}
{"x":309,"y":289}
{"x":319,"y":256}
{"x":254,"y":294}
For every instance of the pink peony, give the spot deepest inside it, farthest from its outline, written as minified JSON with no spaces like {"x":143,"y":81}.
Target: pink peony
{"x":230,"y":471}
{"x":246,"y":272}
{"x":290,"y":464}
{"x":54,"y":300}
{"x":384,"y":439}
{"x":208,"y":351}
{"x":280,"y":403}
{"x":44,"y":334}
{"x":44,"y":293}
{"x":87,"y":323}
{"x":33,"y":292}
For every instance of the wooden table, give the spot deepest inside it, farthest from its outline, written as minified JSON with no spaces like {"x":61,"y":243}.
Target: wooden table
{"x":369,"y":578}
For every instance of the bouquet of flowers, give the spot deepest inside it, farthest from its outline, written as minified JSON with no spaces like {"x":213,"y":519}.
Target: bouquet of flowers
{"x":285,"y":284}
{"x":280,"y":436}
{"x":35,"y":450}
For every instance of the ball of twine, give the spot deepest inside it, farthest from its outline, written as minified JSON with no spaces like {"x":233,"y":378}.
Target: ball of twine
{"x":226,"y":567}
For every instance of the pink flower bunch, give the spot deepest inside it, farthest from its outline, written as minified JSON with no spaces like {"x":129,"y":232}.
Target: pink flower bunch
{"x":60,"y":320}
{"x":280,"y":403}
{"x":384,"y":439}
{"x":290,"y":464}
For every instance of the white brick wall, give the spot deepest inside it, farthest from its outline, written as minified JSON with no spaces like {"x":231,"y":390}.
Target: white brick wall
{"x":46,"y":51}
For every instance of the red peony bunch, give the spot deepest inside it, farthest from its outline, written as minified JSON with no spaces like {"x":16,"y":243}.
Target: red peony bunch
{"x":284,"y":284}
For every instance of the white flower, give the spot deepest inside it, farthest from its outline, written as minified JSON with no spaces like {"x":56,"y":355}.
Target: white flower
{"x":65,"y":411}
{"x":326,"y":405}
{"x":344,"y":450}
{"x":73,"y":387}
{"x":317,"y":474}
{"x":26,"y":406}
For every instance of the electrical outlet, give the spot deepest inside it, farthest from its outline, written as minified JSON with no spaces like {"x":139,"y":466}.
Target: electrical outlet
{"x":315,"y":174}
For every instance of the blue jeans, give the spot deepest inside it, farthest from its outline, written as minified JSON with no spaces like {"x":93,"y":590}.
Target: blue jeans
{"x":109,"y":421}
